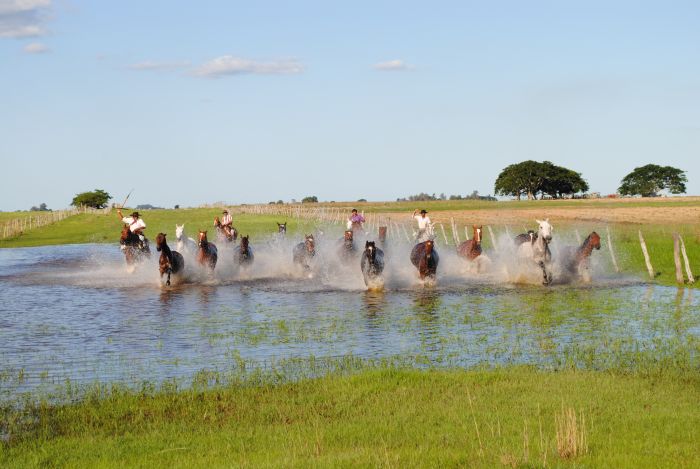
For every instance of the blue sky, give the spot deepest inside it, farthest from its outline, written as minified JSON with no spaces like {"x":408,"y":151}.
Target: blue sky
{"x":199,"y":102}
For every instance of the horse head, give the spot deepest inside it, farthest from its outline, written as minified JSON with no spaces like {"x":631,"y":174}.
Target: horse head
{"x":244,"y":244}
{"x":179,"y":230}
{"x":160,"y":241}
{"x":477,"y":233}
{"x":545,"y":230}
{"x":217,"y":222}
{"x":125,"y":232}
{"x":370,"y":250}
{"x":348,"y":235}
{"x":382,"y":233}
{"x":594,"y":240}
{"x":310,"y":243}
{"x":282,"y":227}
{"x":202,"y":238}
{"x":429,"y":246}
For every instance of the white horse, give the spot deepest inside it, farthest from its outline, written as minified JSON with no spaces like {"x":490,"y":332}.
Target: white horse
{"x":184,"y":243}
{"x":537,"y":249}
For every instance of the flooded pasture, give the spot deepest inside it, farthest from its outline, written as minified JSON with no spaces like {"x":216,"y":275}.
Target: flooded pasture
{"x":73,"y":314}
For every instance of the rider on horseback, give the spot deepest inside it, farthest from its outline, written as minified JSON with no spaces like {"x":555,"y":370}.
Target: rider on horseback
{"x":425,"y":226}
{"x":227,"y":221}
{"x":136,"y":226}
{"x":355,"y":221}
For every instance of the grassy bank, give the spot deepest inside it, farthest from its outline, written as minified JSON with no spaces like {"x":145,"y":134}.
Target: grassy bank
{"x":389,"y":418}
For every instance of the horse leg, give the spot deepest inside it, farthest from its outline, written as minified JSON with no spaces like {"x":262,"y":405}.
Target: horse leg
{"x":169,"y":270}
{"x":547,"y":278}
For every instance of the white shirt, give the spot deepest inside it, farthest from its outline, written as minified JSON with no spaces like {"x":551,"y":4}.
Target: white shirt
{"x":226,"y":219}
{"x":139,"y":225}
{"x":423,"y":222}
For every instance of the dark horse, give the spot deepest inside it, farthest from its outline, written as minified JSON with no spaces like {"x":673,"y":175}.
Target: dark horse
{"x":134,"y":249}
{"x":471,"y":248}
{"x":372,"y":262}
{"x":282,"y":228}
{"x":425,"y":258}
{"x":244,"y":256}
{"x":529,"y":237}
{"x":207,"y":253}
{"x":226,"y":233}
{"x":347,"y":249}
{"x":577,"y":259}
{"x":303,"y":252}
{"x":170,"y":262}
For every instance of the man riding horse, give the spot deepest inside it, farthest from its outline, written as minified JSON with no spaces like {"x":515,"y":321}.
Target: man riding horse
{"x":425,"y":226}
{"x":355,"y":222}
{"x":136,"y":227}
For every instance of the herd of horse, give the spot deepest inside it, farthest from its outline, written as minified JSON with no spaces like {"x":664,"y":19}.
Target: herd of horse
{"x":531,"y":247}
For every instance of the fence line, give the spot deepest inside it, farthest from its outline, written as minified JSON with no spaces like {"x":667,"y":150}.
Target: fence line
{"x":18,"y":226}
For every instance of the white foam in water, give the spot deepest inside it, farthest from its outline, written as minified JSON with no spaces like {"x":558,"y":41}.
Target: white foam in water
{"x":273,"y":264}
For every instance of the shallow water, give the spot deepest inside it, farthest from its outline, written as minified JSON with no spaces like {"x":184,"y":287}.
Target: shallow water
{"x":73,"y":313}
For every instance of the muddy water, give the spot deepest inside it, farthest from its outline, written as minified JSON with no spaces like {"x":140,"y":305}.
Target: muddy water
{"x":73,"y":313}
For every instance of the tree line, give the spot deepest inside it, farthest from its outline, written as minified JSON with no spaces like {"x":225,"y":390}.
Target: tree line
{"x":532,"y":179}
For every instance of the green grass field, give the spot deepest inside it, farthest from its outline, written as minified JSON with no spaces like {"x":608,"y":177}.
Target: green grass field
{"x":377,"y":418}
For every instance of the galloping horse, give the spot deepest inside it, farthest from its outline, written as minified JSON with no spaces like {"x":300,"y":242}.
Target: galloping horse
{"x":382,"y":237}
{"x":347,"y":249}
{"x":471,"y":248}
{"x":170,"y":262}
{"x":372,"y":262}
{"x":537,"y":249}
{"x":282,"y":228}
{"x":207,"y":254}
{"x":226,"y":233}
{"x":244,"y":256}
{"x":134,"y":250}
{"x":528,"y":237}
{"x":577,"y":259}
{"x":303,"y":252}
{"x":184,"y":243}
{"x":425,"y":258}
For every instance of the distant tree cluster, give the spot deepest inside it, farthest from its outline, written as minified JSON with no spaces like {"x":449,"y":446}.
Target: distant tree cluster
{"x":532,"y":178}
{"x":424,"y":197}
{"x":148,"y":207}
{"x":312,"y":199}
{"x":95,"y":199}
{"x":41,"y":208}
{"x":651,"y":179}
{"x":473,"y":196}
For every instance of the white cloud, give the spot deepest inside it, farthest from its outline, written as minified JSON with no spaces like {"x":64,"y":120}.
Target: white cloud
{"x":150,"y":65}
{"x":23,"y":18}
{"x":36,"y":48}
{"x":392,"y":66}
{"x":229,"y":65}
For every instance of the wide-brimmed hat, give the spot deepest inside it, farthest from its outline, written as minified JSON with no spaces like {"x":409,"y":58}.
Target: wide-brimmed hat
{"x":135,"y":214}
{"x":423,"y":211}
{"x":225,"y":211}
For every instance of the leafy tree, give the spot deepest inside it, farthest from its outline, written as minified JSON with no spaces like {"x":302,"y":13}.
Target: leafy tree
{"x":651,"y":179}
{"x":41,"y":208}
{"x":532,"y":177}
{"x":560,"y":181}
{"x":95,"y":199}
{"x":520,"y":179}
{"x":309,"y":200}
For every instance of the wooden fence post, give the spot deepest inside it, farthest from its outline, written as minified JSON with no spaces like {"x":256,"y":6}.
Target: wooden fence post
{"x":466,"y":233}
{"x":677,"y":259}
{"x":444,"y":235}
{"x":691,"y":279}
{"x":650,"y":269}
{"x":493,"y":238}
{"x":612,"y":251}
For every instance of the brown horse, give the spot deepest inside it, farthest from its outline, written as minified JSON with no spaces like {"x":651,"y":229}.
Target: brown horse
{"x":471,"y":248}
{"x":347,"y":249}
{"x":244,"y":257}
{"x":170,"y":262}
{"x":577,"y":259}
{"x":304,"y":252}
{"x":382,"y":236}
{"x":425,"y":258}
{"x":134,"y":249}
{"x":227,"y":234}
{"x":207,"y":254}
